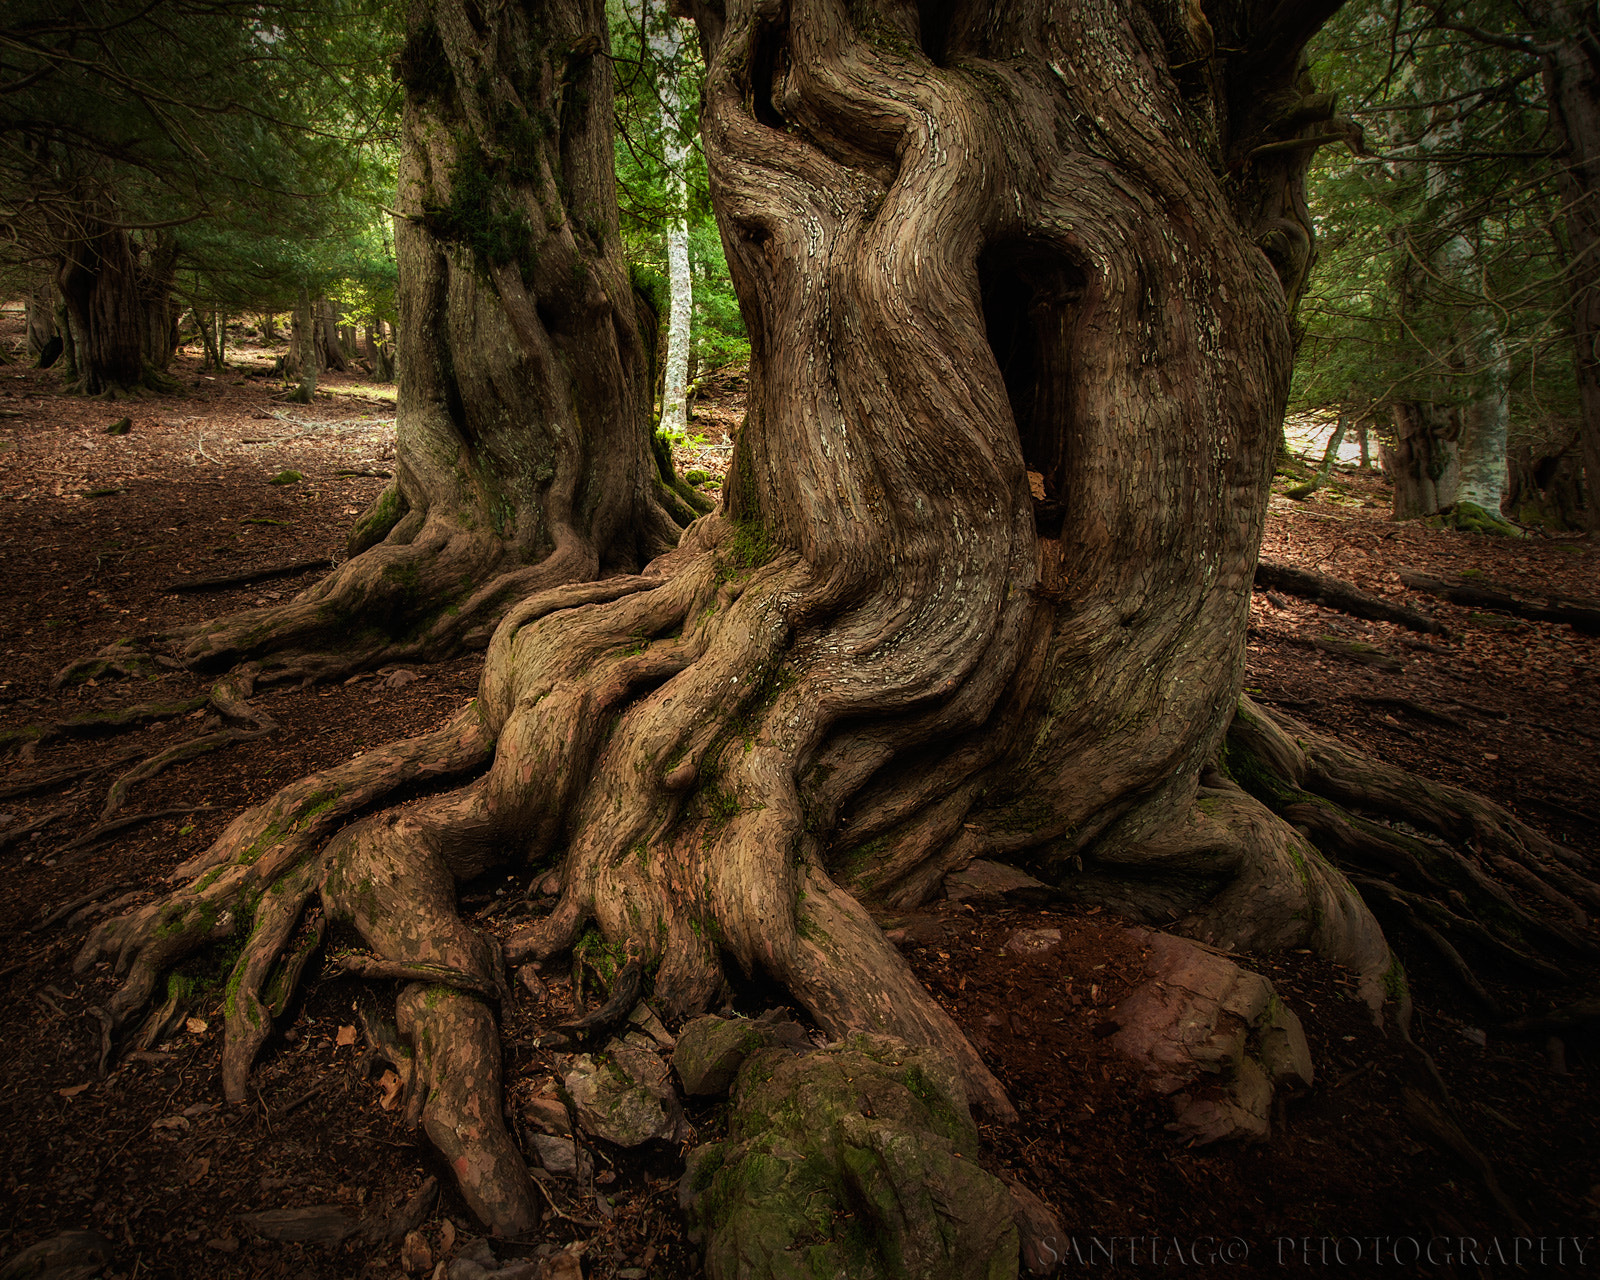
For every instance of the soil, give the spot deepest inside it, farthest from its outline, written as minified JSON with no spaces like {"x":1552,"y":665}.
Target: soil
{"x":99,"y":527}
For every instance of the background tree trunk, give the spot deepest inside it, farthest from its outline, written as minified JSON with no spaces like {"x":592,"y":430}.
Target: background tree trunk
{"x":665,"y":41}
{"x":1546,"y":485}
{"x":1425,"y":463}
{"x":112,"y":292}
{"x":1569,"y":38}
{"x":303,"y":361}
{"x":41,"y":316}
{"x":329,"y":341}
{"x":377,"y":348}
{"x":523,"y":456}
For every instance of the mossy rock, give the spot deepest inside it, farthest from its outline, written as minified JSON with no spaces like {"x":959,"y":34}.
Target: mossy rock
{"x":1469,"y":517}
{"x":859,"y":1160}
{"x":120,"y":427}
{"x":696,"y":476}
{"x":286,"y":477}
{"x":710,"y":1050}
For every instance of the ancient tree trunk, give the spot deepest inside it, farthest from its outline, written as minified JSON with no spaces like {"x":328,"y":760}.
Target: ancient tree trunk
{"x":523,"y":456}
{"x":1425,"y":463}
{"x":1570,"y":53}
{"x":117,"y":295}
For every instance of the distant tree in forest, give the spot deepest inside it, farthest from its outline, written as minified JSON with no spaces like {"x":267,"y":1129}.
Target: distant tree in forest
{"x":667,"y":223}
{"x":110,"y":162}
{"x":1440,"y":305}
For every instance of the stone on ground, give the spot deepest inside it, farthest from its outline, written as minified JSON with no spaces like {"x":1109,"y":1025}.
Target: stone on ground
{"x":1213,"y":1037}
{"x":856,"y":1160}
{"x":624,"y":1095}
{"x":72,"y":1255}
{"x":983,"y":879}
{"x":710,"y":1049}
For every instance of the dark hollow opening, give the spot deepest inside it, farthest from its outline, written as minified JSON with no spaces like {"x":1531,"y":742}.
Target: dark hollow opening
{"x":934,"y":23}
{"x":1030,"y":296}
{"x":769,"y":67}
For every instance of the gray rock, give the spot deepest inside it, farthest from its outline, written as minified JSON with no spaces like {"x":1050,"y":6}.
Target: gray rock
{"x":710,"y":1052}
{"x":711,"y":1049}
{"x":856,"y":1160}
{"x":562,"y":1157}
{"x":72,"y":1255}
{"x":1213,"y":1037}
{"x":624,"y":1095}
{"x":643,"y":1019}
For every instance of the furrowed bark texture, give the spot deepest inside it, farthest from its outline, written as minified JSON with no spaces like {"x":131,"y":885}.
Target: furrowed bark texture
{"x":523,"y":457}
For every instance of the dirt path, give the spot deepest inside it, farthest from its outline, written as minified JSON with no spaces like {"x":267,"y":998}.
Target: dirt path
{"x":96,"y":529}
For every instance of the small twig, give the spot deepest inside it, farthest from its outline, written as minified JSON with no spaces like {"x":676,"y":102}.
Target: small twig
{"x":305,"y":1097}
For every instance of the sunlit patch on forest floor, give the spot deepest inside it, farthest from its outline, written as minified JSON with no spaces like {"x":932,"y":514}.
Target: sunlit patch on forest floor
{"x":96,"y":530}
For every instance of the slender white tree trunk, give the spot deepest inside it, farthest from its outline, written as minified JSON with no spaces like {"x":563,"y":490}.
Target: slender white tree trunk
{"x":665,"y":36}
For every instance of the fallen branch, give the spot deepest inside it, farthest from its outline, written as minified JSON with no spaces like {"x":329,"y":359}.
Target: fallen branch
{"x":26,"y":829}
{"x":57,"y":777}
{"x":1572,"y":1017}
{"x":420,"y":971}
{"x":249,"y":576}
{"x":1332,"y":593}
{"x":1580,"y":617}
{"x":1358,"y":651}
{"x":67,"y":908}
{"x":103,"y":829}
{"x":1414,"y":708}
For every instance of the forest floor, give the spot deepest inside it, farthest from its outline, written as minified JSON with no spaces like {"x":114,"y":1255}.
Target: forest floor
{"x":98,"y":528}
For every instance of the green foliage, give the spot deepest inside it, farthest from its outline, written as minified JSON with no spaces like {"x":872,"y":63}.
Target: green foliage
{"x":648,"y":207}
{"x":1458,"y":163}
{"x":252,"y":145}
{"x":477,"y":216}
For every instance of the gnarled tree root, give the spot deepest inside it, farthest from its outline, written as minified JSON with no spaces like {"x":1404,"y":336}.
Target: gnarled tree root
{"x":626,"y":721}
{"x":1447,"y":875}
